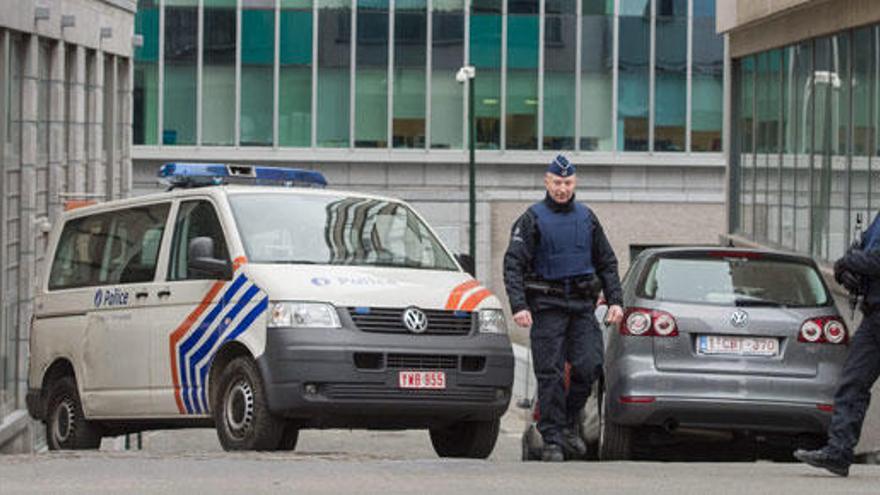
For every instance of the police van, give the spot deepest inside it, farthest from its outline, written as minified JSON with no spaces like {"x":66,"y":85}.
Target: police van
{"x":241,"y":300}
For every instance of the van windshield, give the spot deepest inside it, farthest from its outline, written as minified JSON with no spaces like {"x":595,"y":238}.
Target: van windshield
{"x":734,"y":281}
{"x":335,"y":230}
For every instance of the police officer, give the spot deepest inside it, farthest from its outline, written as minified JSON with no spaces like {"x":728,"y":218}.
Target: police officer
{"x":859,"y":272}
{"x":557,"y":262}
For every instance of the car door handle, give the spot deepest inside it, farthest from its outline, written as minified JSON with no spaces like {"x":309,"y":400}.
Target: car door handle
{"x":164,"y":293}
{"x":141,"y":295}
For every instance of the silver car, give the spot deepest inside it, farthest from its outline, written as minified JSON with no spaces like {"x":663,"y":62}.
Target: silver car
{"x":732,"y":346}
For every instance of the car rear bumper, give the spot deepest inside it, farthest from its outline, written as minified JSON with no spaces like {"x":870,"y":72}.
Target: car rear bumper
{"x":346,"y":378}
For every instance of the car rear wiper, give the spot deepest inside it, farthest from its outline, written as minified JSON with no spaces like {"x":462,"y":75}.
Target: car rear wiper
{"x":756,"y":301}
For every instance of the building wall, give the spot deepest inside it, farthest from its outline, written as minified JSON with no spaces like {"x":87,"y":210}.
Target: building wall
{"x":65,"y":120}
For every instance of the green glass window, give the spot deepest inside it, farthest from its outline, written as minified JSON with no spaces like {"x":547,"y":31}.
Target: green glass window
{"x":179,"y":94}
{"x":485,"y":55}
{"x":295,"y":74}
{"x":864,"y":129}
{"x":218,"y":73}
{"x":597,"y":59}
{"x":804,"y":119}
{"x":447,"y":56}
{"x":560,"y":52}
{"x":371,"y":81}
{"x":257,"y":60}
{"x":670,"y":75}
{"x":522,"y":75}
{"x":707,"y":80}
{"x":633,"y":74}
{"x":786,"y":186}
{"x":746,"y":146}
{"x":334,"y":76}
{"x":410,"y":54}
{"x":145,"y":98}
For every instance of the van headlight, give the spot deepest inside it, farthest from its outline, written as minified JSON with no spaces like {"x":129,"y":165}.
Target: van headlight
{"x":303,"y":315}
{"x":493,"y":321}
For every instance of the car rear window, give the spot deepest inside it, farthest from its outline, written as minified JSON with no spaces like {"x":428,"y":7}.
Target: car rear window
{"x":736,"y":280}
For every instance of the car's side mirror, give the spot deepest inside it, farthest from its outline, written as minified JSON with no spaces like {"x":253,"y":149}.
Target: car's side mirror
{"x":201,"y":261}
{"x":467,"y":263}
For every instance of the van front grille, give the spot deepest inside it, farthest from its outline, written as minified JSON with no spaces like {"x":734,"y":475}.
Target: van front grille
{"x":390,"y":320}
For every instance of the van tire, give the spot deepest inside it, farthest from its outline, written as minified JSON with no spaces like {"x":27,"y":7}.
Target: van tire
{"x":241,"y":411}
{"x":470,"y":439}
{"x":66,"y":425}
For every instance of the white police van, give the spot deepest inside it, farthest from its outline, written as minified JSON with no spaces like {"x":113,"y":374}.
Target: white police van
{"x":262,"y":310}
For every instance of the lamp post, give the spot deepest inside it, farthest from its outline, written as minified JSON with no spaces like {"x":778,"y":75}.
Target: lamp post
{"x":466,"y":75}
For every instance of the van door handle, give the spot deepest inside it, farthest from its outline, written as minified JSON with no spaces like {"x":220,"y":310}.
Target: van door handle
{"x":141,"y":295}
{"x":164,"y":293}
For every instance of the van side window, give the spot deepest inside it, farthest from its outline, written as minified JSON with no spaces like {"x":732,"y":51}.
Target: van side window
{"x":194,"y":219}
{"x":119,"y":247}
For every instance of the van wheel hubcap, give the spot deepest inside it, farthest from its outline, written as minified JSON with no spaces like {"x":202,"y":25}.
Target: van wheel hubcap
{"x":64,"y":419}
{"x":240,"y":408}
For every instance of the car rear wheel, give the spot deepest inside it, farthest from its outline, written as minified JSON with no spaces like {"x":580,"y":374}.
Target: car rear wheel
{"x":615,"y":441}
{"x":471,"y":439}
{"x":241,"y":411}
{"x":66,"y":425}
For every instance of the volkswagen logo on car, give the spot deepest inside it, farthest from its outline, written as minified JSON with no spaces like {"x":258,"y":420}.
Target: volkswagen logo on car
{"x":739,"y":318}
{"x":415,"y":320}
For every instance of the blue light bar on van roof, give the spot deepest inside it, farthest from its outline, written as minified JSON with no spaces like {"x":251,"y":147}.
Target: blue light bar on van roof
{"x":212,"y":174}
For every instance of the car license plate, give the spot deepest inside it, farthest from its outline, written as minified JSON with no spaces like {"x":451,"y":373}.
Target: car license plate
{"x":738,"y":346}
{"x":422,"y":379}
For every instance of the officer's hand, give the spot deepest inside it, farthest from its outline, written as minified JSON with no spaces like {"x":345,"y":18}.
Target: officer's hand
{"x":523,"y":318}
{"x":614,"y":315}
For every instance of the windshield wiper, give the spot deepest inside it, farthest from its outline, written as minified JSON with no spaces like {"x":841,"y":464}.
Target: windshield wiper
{"x":289,"y":262}
{"x":756,"y":301}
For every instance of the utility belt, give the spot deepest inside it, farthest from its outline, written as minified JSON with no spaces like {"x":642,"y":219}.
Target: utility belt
{"x":586,"y":286}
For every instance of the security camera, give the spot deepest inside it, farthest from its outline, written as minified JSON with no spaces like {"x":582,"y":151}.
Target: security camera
{"x":465,"y":73}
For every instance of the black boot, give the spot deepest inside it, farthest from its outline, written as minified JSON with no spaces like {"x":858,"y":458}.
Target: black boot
{"x":552,"y":453}
{"x":573,"y":444}
{"x":822,"y":458}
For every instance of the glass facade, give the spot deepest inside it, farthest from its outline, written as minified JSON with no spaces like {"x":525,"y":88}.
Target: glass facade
{"x":806,"y":125}
{"x":569,"y":75}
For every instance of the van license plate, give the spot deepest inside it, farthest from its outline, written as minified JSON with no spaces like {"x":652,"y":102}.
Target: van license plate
{"x":422,"y":379}
{"x":738,"y":346}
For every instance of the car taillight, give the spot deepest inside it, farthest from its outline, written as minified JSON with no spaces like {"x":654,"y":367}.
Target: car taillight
{"x":643,"y":322}
{"x":823,"y":330}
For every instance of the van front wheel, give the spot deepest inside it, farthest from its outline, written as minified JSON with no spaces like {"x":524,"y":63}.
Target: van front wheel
{"x":241,"y":411}
{"x":66,"y":425}
{"x":473,"y":439}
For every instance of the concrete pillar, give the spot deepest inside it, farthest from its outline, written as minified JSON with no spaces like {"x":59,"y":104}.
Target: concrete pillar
{"x":28,"y":206}
{"x":125,"y":96}
{"x":5,"y":72}
{"x":76,"y":130}
{"x":111,"y":156}
{"x":94,"y":124}
{"x":57,"y":157}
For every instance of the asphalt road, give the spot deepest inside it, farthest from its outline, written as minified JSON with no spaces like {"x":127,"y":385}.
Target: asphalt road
{"x":191,"y":461}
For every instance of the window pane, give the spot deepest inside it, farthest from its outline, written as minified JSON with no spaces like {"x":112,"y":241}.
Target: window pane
{"x":218,"y":73}
{"x":179,"y":114}
{"x":79,"y":253}
{"x":371,"y":88}
{"x":670,"y":72}
{"x":522,"y":75}
{"x":334,"y":60}
{"x":295,"y":74}
{"x":257,"y":60}
{"x":597,"y":65}
{"x":447,"y":56}
{"x":633,"y":75}
{"x":146,"y":74}
{"x":746,"y":135}
{"x":410,"y":36}
{"x":864,"y":131}
{"x":485,"y":47}
{"x":707,"y":81}
{"x":805,"y":145}
{"x":560,"y":52}
{"x":194,"y":219}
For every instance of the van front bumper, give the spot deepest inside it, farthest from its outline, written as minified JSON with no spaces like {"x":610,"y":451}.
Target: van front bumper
{"x":337,"y":378}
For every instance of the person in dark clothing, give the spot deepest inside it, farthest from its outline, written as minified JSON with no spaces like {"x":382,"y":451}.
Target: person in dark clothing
{"x":859,"y":272}
{"x":557,"y":262}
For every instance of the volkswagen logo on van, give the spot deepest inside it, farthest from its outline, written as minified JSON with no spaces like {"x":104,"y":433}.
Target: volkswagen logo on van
{"x":415,"y":320}
{"x":739,"y":318}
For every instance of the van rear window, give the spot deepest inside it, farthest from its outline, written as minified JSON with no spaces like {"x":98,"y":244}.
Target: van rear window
{"x":111,"y":248}
{"x":734,"y":281}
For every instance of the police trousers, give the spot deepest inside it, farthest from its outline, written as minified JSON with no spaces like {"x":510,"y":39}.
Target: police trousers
{"x":861,"y":370}
{"x":564,"y":330}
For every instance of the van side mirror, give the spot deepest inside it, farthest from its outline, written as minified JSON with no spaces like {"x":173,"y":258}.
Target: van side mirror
{"x":467,"y":263}
{"x":201,"y":261}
